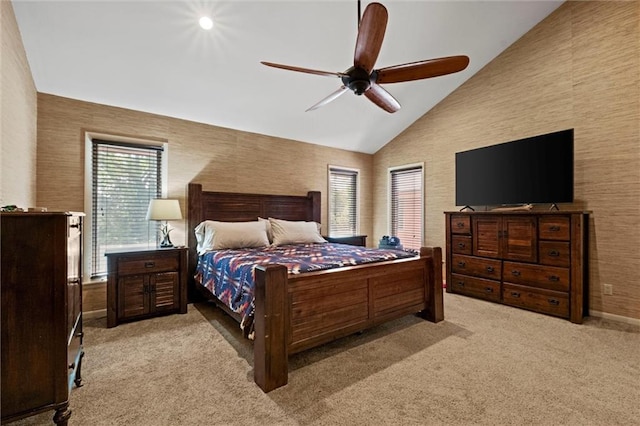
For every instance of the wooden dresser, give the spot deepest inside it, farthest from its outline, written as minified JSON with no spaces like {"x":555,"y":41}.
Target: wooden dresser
{"x":531,"y":260}
{"x":146,"y":283}
{"x":42,"y":350}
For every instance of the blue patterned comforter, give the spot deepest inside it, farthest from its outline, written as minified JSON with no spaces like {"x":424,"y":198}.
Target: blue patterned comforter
{"x":229,"y":274}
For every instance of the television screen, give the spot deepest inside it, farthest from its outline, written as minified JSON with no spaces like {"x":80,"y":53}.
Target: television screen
{"x":533,"y":170}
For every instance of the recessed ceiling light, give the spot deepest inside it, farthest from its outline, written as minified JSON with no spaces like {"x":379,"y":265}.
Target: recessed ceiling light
{"x":206,"y":23}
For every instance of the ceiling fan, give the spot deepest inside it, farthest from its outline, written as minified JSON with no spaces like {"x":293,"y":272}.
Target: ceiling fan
{"x":361,"y":78}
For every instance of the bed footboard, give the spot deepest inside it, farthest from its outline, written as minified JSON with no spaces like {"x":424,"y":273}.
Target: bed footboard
{"x":297,"y":312}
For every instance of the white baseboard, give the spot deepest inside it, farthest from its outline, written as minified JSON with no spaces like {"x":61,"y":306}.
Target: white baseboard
{"x":100,"y":313}
{"x":613,"y":317}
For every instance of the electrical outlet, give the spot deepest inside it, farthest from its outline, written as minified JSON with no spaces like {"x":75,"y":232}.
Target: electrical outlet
{"x":608,"y":289}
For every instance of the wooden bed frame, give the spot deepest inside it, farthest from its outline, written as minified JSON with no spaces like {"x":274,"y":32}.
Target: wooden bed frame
{"x":297,"y":312}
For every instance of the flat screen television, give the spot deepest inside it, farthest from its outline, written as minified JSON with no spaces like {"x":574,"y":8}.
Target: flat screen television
{"x":534,"y":170}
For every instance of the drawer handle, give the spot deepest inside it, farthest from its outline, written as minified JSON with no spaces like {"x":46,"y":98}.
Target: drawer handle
{"x":75,"y":225}
{"x":460,"y":224}
{"x":515,"y":272}
{"x":74,"y":281}
{"x":80,"y":334}
{"x":554,"y":228}
{"x":489,"y":268}
{"x":554,"y":278}
{"x":460,"y":283}
{"x":488,"y":289}
{"x":461,"y":264}
{"x":515,"y":294}
{"x":72,"y":366}
{"x":149,"y":264}
{"x":461,"y":245}
{"x":554,"y":302}
{"x":554,"y":253}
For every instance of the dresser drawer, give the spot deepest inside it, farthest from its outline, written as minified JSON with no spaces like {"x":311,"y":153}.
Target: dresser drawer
{"x":554,"y":228}
{"x":461,"y":224}
{"x":461,"y":244}
{"x":545,"y":301}
{"x":549,"y":277}
{"x":477,"y":287}
{"x":143,"y":265}
{"x":478,"y":266}
{"x":554,"y":253}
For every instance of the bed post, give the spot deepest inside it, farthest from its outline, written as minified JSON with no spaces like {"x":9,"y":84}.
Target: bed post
{"x":315,"y":206}
{"x":435,"y":302}
{"x":270,"y":354}
{"x":194,"y":217}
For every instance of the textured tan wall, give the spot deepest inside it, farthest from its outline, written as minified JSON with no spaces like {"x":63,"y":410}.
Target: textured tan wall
{"x":579,"y":68}
{"x":221,"y":159}
{"x":17,"y":115}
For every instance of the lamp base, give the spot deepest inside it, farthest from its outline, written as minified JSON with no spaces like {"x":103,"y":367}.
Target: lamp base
{"x":166,"y":241}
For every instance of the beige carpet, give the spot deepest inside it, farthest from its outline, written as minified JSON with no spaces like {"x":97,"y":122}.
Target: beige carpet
{"x":485,"y":364}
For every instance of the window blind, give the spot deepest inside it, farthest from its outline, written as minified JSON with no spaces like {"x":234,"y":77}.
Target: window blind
{"x":125,"y":177}
{"x":406,"y":206}
{"x":343,"y":202}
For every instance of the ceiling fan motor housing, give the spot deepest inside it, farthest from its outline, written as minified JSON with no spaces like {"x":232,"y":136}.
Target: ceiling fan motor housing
{"x":357,"y":79}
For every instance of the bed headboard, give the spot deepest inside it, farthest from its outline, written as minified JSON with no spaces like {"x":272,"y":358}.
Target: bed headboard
{"x":239,"y":207}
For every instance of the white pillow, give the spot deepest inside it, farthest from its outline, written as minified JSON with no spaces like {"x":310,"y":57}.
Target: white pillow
{"x":293,"y":232}
{"x":267,"y":224}
{"x":214,"y":235}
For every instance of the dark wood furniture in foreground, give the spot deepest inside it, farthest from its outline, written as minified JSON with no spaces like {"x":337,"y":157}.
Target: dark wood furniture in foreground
{"x":297,"y":312}
{"x":531,"y":260}
{"x":354,"y":240}
{"x":146,"y":283}
{"x":41,"y":313}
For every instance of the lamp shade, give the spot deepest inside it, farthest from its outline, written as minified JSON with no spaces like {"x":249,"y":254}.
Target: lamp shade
{"x":164,"y":209}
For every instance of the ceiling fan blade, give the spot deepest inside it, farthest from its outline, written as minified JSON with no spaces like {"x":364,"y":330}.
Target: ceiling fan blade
{"x":334,"y":95}
{"x":370,"y":36}
{"x":421,"y":69}
{"x":382,"y":98}
{"x":305,"y":70}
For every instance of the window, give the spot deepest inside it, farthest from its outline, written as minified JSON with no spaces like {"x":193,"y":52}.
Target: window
{"x":343,"y":202}
{"x":124,"y":176}
{"x":406,"y":205}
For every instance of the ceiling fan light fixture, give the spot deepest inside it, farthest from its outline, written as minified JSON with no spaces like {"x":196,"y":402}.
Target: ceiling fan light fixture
{"x":206,"y":23}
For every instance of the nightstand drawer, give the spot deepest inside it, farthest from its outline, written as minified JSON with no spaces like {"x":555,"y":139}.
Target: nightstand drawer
{"x":143,"y":265}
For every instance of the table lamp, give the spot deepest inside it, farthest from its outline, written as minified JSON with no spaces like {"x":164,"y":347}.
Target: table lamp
{"x":164,"y":210}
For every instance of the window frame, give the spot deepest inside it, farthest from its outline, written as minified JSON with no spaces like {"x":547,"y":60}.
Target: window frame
{"x":391,"y":171}
{"x":355,"y":171}
{"x":89,"y":136}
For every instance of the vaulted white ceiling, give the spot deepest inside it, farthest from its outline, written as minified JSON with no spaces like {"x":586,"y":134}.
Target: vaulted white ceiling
{"x":153,"y":56}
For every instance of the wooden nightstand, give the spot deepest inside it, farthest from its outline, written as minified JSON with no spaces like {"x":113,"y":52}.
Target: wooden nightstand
{"x":146,"y":283}
{"x":355,"y":240}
